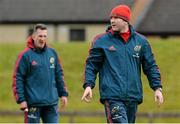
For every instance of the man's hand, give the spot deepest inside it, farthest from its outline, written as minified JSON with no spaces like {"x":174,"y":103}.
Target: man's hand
{"x":23,"y":106}
{"x":63,"y":102}
{"x":158,"y":96}
{"x":87,"y":94}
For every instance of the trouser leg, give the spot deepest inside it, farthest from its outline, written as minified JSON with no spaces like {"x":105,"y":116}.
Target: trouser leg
{"x":50,"y":114}
{"x":115,"y":111}
{"x":131,"y":111}
{"x":32,"y":116}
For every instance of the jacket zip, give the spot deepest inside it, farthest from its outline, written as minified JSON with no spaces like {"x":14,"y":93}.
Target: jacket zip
{"x":126,"y":67}
{"x":46,"y":67}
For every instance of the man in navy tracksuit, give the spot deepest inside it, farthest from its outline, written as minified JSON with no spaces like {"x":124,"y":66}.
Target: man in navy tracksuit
{"x":38,"y":80}
{"x":117,"y":56}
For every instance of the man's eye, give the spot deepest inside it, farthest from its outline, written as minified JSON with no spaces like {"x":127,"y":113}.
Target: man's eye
{"x":42,"y":36}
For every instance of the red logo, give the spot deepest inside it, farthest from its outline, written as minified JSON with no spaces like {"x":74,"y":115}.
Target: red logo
{"x":112,"y":48}
{"x":34,"y":62}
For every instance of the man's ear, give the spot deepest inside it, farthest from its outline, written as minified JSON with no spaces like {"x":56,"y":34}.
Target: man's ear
{"x":33,"y":36}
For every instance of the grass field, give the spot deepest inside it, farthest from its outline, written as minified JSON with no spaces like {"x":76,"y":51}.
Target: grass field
{"x":73,"y":57}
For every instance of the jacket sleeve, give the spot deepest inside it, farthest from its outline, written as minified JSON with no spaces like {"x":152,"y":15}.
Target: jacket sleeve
{"x":93,"y":63}
{"x":62,"y":90}
{"x":150,"y":67}
{"x":19,"y":79}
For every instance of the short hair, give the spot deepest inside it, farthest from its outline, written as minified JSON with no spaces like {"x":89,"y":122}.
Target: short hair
{"x":39,"y":26}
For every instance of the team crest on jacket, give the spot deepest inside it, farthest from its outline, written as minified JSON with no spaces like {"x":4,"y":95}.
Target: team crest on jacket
{"x":52,"y":62}
{"x":137,"y":48}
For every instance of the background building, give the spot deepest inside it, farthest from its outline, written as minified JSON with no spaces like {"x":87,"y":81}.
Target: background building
{"x":81,"y":20}
{"x":67,"y":20}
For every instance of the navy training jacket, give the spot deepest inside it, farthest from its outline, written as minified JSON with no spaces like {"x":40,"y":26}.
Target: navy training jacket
{"x":119,"y":66}
{"x":38,"y":77}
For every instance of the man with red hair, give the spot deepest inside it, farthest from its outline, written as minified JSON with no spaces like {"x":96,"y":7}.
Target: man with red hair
{"x":117,"y":56}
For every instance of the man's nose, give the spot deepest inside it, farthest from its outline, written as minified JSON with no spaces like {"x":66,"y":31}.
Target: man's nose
{"x":43,"y":38}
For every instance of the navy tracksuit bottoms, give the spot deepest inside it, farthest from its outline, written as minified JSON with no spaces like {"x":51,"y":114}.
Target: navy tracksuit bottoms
{"x":48,"y":114}
{"x":120,"y":111}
